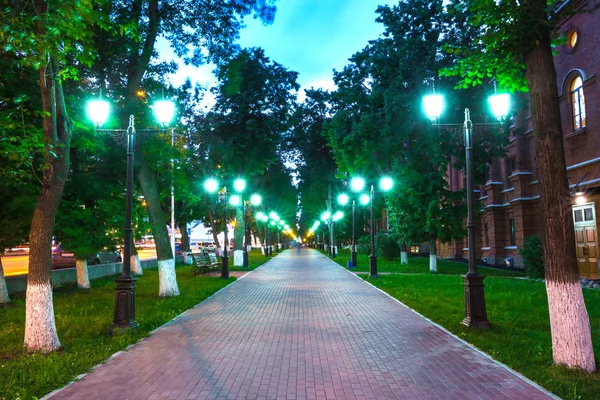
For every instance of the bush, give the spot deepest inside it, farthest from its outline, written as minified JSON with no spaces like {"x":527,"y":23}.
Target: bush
{"x":533,"y":256}
{"x":363,"y":244}
{"x":387,"y":246}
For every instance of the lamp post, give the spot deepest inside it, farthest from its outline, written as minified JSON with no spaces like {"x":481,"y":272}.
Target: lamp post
{"x":357,"y":184}
{"x":255,"y":200}
{"x":475,"y":309}
{"x":211,"y":185}
{"x":124,"y":311}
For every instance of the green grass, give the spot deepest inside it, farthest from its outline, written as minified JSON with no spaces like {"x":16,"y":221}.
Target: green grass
{"x":417,"y":265}
{"x":255,"y":260}
{"x":520,"y":333}
{"x":82,"y":321}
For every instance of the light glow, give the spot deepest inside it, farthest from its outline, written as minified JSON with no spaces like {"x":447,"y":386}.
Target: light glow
{"x":343,"y":199}
{"x":235,"y":200}
{"x":500,"y":104}
{"x":434,"y":105}
{"x":164,"y":110}
{"x":97,"y":111}
{"x":239,"y":185}
{"x":211,"y":185}
{"x":255,"y":199}
{"x":386,"y":183}
{"x":357,"y":184}
{"x":364,"y":199}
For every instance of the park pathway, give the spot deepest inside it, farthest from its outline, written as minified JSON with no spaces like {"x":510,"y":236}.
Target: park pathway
{"x":301,"y":327}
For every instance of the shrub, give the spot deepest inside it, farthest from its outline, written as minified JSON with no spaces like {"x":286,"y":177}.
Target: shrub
{"x":387,"y":246}
{"x":363,"y":244}
{"x":533,"y":256}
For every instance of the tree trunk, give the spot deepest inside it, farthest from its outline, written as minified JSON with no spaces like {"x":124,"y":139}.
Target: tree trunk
{"x":215,"y":234}
{"x":403,"y":255}
{"x":569,"y":322}
{"x":134,"y":260}
{"x":238,"y":237}
{"x":166,"y":263}
{"x":185,"y":240}
{"x":432,"y":257}
{"x":40,"y":328}
{"x":4,"y":298}
{"x":83,"y":277}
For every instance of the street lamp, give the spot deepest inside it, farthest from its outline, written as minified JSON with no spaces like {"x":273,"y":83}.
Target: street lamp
{"x":475,"y":310}
{"x":124,"y":312}
{"x":212,"y":185}
{"x":240,"y":185}
{"x":385,"y":184}
{"x":343,"y":199}
{"x":255,"y":200}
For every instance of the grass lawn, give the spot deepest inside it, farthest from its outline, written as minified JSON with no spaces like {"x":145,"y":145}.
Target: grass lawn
{"x":520,"y":333}
{"x":417,"y":265}
{"x":255,"y":260}
{"x":82,"y":320}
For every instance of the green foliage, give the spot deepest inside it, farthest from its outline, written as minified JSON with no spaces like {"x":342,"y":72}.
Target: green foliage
{"x":363,"y":244}
{"x":533,"y":256}
{"x":520,"y":334}
{"x":387,"y":246}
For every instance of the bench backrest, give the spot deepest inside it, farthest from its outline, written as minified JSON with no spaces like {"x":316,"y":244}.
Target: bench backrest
{"x":213,"y":258}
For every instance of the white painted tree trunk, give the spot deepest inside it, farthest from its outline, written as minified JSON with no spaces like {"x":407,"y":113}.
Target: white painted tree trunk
{"x":432,"y":257}
{"x":83,"y":277}
{"x":403,"y":257}
{"x":40,"y":328}
{"x":4,"y":298}
{"x":570,"y":326}
{"x":136,"y":265}
{"x":432,"y":263}
{"x":238,"y":258}
{"x":167,"y":279}
{"x":186,"y":258}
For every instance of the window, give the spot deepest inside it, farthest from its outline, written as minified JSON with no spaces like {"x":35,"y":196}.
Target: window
{"x":578,"y":103}
{"x":513,"y":233}
{"x":414,"y":249}
{"x":511,"y":166}
{"x":572,"y":39}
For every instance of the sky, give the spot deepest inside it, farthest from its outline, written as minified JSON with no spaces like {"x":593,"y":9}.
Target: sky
{"x":311,"y":37}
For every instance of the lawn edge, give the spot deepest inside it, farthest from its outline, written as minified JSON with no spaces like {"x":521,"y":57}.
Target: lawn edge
{"x":172,"y":320}
{"x":506,"y":367}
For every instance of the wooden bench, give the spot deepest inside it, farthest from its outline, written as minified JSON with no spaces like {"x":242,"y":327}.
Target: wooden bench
{"x":205,"y":264}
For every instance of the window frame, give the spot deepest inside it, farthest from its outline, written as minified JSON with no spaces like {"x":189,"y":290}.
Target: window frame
{"x":577,"y":103}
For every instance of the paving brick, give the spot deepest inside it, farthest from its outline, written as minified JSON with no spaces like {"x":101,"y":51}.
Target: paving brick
{"x":301,"y":327}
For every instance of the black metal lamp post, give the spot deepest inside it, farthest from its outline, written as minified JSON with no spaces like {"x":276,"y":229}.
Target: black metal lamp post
{"x":475,"y":309}
{"x":124,"y":311}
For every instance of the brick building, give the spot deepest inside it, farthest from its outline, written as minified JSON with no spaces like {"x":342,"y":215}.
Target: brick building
{"x":509,"y":199}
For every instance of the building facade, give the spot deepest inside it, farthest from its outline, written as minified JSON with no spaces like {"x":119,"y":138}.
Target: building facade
{"x":510,"y":207}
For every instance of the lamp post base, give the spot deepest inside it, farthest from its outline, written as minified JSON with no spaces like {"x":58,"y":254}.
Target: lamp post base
{"x":354,"y":263}
{"x":124,"y":305}
{"x":475,"y":311}
{"x":225,"y":268}
{"x":245,"y":262}
{"x":373,"y":266}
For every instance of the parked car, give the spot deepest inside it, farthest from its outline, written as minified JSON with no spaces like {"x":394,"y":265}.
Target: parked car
{"x":66,"y":259}
{"x":178,"y":249}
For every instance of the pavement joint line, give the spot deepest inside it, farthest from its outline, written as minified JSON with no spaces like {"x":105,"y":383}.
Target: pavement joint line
{"x":506,"y":367}
{"x":81,"y":376}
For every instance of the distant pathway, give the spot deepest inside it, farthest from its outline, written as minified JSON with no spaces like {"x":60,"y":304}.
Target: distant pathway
{"x":301,"y":327}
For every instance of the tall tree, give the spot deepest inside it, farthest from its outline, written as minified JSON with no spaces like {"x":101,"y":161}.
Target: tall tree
{"x":514,"y":44}
{"x":58,"y":35}
{"x":209,"y":29}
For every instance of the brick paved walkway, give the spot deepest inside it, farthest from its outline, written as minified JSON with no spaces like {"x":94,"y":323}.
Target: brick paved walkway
{"x":300,"y":327}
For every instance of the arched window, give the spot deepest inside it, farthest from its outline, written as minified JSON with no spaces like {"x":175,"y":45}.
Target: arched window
{"x":577,"y":103}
